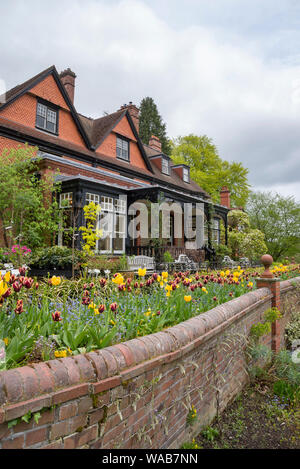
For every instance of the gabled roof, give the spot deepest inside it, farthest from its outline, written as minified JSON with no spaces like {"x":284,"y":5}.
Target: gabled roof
{"x":99,"y":129}
{"x":16,"y":92}
{"x":93,"y":132}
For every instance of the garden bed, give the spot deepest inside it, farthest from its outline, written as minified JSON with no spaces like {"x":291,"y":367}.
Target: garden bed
{"x":265,"y":415}
{"x":59,"y":317}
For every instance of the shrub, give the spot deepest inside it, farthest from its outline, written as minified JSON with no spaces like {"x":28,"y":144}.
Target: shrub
{"x":56,"y":257}
{"x":292,"y":330}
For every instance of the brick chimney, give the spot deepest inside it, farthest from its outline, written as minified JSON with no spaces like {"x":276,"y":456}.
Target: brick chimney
{"x":134,"y":114}
{"x":225,"y":197}
{"x":155,"y":143}
{"x":68,"y":80}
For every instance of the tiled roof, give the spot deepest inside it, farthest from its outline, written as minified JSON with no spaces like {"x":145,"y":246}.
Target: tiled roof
{"x":94,"y":131}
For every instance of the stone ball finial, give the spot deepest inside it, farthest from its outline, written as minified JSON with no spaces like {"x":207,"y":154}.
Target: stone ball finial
{"x":267,"y":261}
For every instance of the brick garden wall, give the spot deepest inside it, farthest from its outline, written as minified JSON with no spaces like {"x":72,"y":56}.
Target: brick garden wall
{"x":137,"y":394}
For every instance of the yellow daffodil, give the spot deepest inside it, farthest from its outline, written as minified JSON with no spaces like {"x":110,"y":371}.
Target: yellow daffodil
{"x":112,"y":322}
{"x":142,"y":272}
{"x":168,"y":293}
{"x":164,"y":275}
{"x":148,"y":313}
{"x":55,"y":280}
{"x":158,"y":278}
{"x":187,"y":298}
{"x":204,"y":289}
{"x":6,"y":340}
{"x":168,"y":287}
{"x":222,"y":273}
{"x":161,"y":284}
{"x":227,"y":272}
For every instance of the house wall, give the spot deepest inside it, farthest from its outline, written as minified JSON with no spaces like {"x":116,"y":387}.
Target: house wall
{"x":137,"y":394}
{"x":23,"y":110}
{"x":109,"y":145}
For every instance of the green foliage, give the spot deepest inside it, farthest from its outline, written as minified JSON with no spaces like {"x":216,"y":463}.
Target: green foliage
{"x":210,"y":433}
{"x":278,"y":217}
{"x":28,"y":202}
{"x":209,"y":170}
{"x":90,"y":233}
{"x":262,"y":328}
{"x":56,"y":257}
{"x":292,"y":330}
{"x":168,"y":257}
{"x":243,"y":240}
{"x":151,"y":123}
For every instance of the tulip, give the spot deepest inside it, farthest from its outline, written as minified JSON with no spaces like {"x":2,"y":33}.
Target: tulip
{"x":101,"y":308}
{"x":102,"y":282}
{"x":113,"y":307}
{"x":17,"y":286}
{"x":56,"y":316}
{"x":19,"y":308}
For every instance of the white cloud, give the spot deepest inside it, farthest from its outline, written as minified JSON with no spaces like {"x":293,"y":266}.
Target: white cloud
{"x":203,"y":81}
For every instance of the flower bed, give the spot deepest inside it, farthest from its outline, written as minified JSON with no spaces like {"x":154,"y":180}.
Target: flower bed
{"x":59,"y":317}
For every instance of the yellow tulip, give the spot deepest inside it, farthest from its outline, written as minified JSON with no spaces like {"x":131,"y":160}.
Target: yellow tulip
{"x":6,"y":277}
{"x":118,"y":279}
{"x":188,"y":298}
{"x":55,"y":280}
{"x":3,"y":288}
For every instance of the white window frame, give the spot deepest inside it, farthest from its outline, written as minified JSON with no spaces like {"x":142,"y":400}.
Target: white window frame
{"x":115,"y":207}
{"x":123,"y":145}
{"x":186,"y":175}
{"x":165,"y":166}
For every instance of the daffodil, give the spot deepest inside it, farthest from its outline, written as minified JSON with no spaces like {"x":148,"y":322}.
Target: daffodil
{"x":204,"y":289}
{"x":158,"y":278}
{"x":6,"y":340}
{"x":142,"y":272}
{"x":60,"y":353}
{"x":164,"y":275}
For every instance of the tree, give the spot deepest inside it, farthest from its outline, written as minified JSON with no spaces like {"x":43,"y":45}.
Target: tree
{"x":243,"y":240}
{"x":151,"y":123}
{"x":28,"y":207}
{"x":209,"y":170}
{"x":278,"y":217}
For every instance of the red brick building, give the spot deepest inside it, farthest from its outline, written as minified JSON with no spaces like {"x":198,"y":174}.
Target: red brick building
{"x":103,"y":160}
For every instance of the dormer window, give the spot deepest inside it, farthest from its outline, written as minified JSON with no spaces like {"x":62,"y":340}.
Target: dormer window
{"x":186,"y":175}
{"x":122,"y":149}
{"x":165,"y":168}
{"x":46,"y":118}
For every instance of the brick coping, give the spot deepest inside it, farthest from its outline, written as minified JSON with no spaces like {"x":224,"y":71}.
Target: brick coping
{"x":44,"y":384}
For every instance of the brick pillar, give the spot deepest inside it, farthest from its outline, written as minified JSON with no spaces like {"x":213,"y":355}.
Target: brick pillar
{"x":267,"y":280}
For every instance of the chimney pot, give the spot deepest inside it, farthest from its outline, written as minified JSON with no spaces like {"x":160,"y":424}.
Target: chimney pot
{"x":68,"y":80}
{"x":134,"y":113}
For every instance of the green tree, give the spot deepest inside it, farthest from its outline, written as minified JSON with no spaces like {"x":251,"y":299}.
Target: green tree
{"x":278,"y":217}
{"x":244,"y":241}
{"x":29,"y":210}
{"x":209,"y":170}
{"x":151,"y":123}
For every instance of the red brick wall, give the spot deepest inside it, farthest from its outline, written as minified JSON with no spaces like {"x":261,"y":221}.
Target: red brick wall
{"x":23,"y":110}
{"x":136,"y":394}
{"x":108,"y":147}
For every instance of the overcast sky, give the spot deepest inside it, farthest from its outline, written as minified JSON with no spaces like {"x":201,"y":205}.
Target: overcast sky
{"x":229,"y":69}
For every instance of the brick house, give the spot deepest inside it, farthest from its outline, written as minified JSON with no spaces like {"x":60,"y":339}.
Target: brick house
{"x":103,"y":160}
